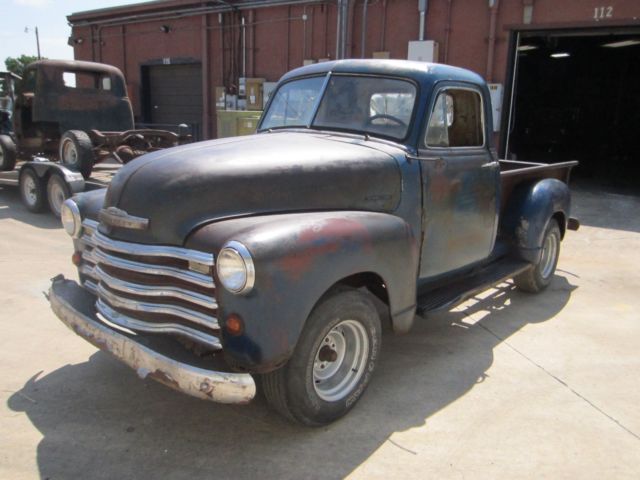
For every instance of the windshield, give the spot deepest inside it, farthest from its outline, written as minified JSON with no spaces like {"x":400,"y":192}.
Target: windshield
{"x":375,"y":105}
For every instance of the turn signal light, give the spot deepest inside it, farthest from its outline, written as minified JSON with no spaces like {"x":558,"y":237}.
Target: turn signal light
{"x":76,"y":258}
{"x":234,"y":325}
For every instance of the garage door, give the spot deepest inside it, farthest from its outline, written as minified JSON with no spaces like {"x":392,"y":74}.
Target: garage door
{"x":174,"y":94}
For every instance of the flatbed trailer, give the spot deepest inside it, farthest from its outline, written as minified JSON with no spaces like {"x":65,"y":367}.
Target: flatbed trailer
{"x":46,"y":185}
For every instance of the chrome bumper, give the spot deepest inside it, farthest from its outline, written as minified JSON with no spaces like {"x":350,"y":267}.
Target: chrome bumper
{"x":76,"y":308}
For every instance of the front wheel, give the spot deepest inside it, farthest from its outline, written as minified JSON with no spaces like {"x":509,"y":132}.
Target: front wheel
{"x":7,"y":153}
{"x":76,"y":152}
{"x":539,"y":276}
{"x":332,"y":363}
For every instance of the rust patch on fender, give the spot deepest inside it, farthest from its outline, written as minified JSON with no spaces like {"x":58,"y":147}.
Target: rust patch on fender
{"x":325,"y":238}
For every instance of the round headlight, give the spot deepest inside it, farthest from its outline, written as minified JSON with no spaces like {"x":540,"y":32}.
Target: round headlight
{"x":71,"y":219}
{"x":235,"y":268}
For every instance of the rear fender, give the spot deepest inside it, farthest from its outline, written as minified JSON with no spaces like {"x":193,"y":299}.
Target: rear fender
{"x":529,"y":211}
{"x":297,"y":258}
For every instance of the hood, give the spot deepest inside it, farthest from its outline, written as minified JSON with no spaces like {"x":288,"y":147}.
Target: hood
{"x":181,"y":188}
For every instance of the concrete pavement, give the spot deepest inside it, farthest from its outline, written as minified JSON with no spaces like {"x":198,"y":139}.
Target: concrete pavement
{"x":513,"y":386}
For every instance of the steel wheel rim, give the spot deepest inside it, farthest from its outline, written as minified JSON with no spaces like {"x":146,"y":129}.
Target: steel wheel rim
{"x":69,"y":153}
{"x":549,"y":253}
{"x":56,"y":197}
{"x":29,"y":189}
{"x":334,"y":380}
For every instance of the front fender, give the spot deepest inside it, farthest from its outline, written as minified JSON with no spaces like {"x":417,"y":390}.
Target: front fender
{"x":529,"y":211}
{"x":297,"y":258}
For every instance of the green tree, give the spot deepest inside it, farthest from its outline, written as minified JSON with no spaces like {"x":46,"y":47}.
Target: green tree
{"x":17,"y":64}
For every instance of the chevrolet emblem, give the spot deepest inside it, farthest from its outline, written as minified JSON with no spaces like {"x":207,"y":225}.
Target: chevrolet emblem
{"x":115,"y":217}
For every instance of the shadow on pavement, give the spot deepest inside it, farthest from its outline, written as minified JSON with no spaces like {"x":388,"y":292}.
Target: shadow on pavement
{"x":98,"y":420}
{"x":11,"y":207}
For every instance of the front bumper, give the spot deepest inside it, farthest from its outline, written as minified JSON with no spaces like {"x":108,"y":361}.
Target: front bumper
{"x":76,"y":308}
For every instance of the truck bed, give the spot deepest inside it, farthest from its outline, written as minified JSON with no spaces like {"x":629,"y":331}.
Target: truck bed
{"x":514,"y":173}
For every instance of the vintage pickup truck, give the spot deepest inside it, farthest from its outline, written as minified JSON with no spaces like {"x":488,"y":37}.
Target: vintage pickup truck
{"x":268,"y":258}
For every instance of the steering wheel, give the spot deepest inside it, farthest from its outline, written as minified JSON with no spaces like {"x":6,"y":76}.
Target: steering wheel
{"x":385,"y":116}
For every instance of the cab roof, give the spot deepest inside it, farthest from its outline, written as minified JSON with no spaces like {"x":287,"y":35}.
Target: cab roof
{"x":76,"y":66}
{"x":420,"y":72}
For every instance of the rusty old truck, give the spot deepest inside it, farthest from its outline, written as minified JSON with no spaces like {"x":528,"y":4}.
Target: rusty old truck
{"x":69,"y":116}
{"x":370,"y":193}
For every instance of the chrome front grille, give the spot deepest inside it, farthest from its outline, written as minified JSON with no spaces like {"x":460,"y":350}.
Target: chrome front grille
{"x":150,"y":288}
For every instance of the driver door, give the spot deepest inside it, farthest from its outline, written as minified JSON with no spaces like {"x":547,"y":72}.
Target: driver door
{"x":460,"y":179}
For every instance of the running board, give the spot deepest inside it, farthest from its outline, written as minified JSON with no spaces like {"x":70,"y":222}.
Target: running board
{"x":448,"y":296}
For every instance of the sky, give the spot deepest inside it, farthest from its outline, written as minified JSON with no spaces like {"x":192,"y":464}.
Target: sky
{"x":18,"y":19}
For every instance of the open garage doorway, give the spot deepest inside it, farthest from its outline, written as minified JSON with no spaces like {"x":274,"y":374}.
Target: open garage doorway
{"x":576,"y":96}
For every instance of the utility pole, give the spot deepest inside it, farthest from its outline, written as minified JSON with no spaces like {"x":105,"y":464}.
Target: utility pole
{"x":38,"y":43}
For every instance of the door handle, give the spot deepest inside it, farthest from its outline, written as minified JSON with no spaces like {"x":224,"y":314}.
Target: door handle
{"x":438,"y":162}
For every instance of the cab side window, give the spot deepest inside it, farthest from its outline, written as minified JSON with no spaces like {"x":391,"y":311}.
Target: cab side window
{"x":456,"y":120}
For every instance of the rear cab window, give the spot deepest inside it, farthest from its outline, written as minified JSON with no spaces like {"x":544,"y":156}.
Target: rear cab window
{"x":456,"y":120}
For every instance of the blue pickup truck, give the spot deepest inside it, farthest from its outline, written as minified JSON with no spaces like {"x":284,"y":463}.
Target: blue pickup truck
{"x":371,"y":191}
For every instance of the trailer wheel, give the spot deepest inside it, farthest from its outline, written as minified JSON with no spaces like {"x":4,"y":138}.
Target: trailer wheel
{"x":539,"y":276}
{"x":7,"y":153}
{"x":32,"y":190}
{"x":76,"y":152}
{"x":332,"y":363}
{"x":57,"y":192}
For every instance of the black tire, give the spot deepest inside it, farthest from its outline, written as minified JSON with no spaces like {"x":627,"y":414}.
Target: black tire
{"x":32,"y":190}
{"x":301,"y":390}
{"x":57,"y":192}
{"x":7,"y":153}
{"x":76,"y":152}
{"x":539,"y":276}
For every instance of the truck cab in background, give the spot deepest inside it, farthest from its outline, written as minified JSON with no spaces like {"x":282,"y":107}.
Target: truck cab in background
{"x":69,"y":115}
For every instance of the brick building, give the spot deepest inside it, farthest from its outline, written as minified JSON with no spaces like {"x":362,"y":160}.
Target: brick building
{"x":565,"y":75}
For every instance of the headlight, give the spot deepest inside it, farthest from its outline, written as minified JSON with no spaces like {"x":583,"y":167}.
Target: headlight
{"x":235,"y":268}
{"x":71,"y":219}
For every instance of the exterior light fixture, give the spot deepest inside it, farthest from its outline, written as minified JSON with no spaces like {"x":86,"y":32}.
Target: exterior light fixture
{"x":526,"y":48}
{"x":560,"y":55}
{"x":75,"y":41}
{"x":622,"y":43}
{"x":165,"y":28}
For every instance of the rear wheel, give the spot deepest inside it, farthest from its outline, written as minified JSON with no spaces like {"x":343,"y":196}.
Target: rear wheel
{"x":539,"y":276}
{"x":32,"y":190}
{"x":332,"y":363}
{"x":76,"y":152}
{"x":7,"y":153}
{"x":57,"y":192}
